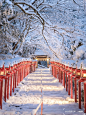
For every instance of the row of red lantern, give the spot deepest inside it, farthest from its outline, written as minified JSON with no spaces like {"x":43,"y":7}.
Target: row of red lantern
{"x":65,"y":73}
{"x":12,"y":76}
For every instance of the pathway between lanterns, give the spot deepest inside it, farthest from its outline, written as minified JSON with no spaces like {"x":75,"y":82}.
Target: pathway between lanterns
{"x":27,"y":96}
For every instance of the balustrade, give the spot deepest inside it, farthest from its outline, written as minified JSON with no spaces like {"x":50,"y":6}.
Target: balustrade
{"x":72,"y":75}
{"x":12,"y":75}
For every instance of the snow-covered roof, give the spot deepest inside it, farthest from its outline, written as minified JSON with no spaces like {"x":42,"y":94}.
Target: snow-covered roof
{"x":40,"y":52}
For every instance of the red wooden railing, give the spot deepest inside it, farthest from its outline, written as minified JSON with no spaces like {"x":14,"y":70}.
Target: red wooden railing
{"x":67,"y":73}
{"x":11,"y":76}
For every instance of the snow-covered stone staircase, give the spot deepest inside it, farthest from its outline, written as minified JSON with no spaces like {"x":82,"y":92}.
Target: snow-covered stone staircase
{"x":27,"y":96}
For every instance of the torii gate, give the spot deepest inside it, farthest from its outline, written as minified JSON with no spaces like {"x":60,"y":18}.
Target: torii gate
{"x":41,"y":56}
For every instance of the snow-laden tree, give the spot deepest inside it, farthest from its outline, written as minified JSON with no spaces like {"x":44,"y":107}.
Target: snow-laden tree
{"x":4,"y":41}
{"x":9,"y":31}
{"x":58,"y":26}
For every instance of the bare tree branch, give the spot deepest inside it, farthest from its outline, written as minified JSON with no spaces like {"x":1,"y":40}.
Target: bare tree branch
{"x":40,"y":3}
{"x":30,"y":7}
{"x":75,"y":2}
{"x":34,"y":2}
{"x":47,"y":42}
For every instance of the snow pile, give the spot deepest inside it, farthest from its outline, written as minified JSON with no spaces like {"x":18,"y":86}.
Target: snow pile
{"x":80,"y":53}
{"x":70,"y":63}
{"x":1,"y":63}
{"x":73,"y":63}
{"x":13,"y":61}
{"x":82,"y":64}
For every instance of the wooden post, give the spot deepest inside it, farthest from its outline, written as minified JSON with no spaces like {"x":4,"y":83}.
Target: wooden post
{"x":84,"y":97}
{"x":79,"y":95}
{"x":61,"y":77}
{"x":41,"y":108}
{"x":11,"y":86}
{"x":68,"y":84}
{"x":5,"y":89}
{"x":13,"y":81}
{"x":56,"y":72}
{"x":66,"y":81}
{"x":75,"y":90}
{"x":52,"y":69}
{"x":1,"y":92}
{"x":8,"y":87}
{"x":71,"y":88}
{"x":48,"y":62}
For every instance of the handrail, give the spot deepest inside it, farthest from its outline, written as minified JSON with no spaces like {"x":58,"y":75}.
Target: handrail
{"x":12,"y":76}
{"x":68,"y":72}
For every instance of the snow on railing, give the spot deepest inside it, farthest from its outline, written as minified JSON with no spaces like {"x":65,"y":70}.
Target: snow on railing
{"x":12,"y":72}
{"x":70,"y":72}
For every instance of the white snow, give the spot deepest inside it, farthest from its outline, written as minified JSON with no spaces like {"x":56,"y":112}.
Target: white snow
{"x":80,"y":51}
{"x":27,"y":96}
{"x":81,"y":63}
{"x":1,"y":63}
{"x":13,"y":61}
{"x":7,"y":63}
{"x":40,"y":52}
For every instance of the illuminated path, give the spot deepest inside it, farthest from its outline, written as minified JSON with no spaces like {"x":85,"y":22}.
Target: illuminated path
{"x":27,"y":96}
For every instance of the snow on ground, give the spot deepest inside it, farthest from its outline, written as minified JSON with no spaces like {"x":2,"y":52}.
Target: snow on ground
{"x":27,"y":96}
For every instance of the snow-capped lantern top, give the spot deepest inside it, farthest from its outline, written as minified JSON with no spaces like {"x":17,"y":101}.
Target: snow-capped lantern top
{"x":34,"y":60}
{"x":7,"y":63}
{"x":63,"y":62}
{"x":70,"y":63}
{"x":74,"y":65}
{"x":81,"y":64}
{"x":12,"y":62}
